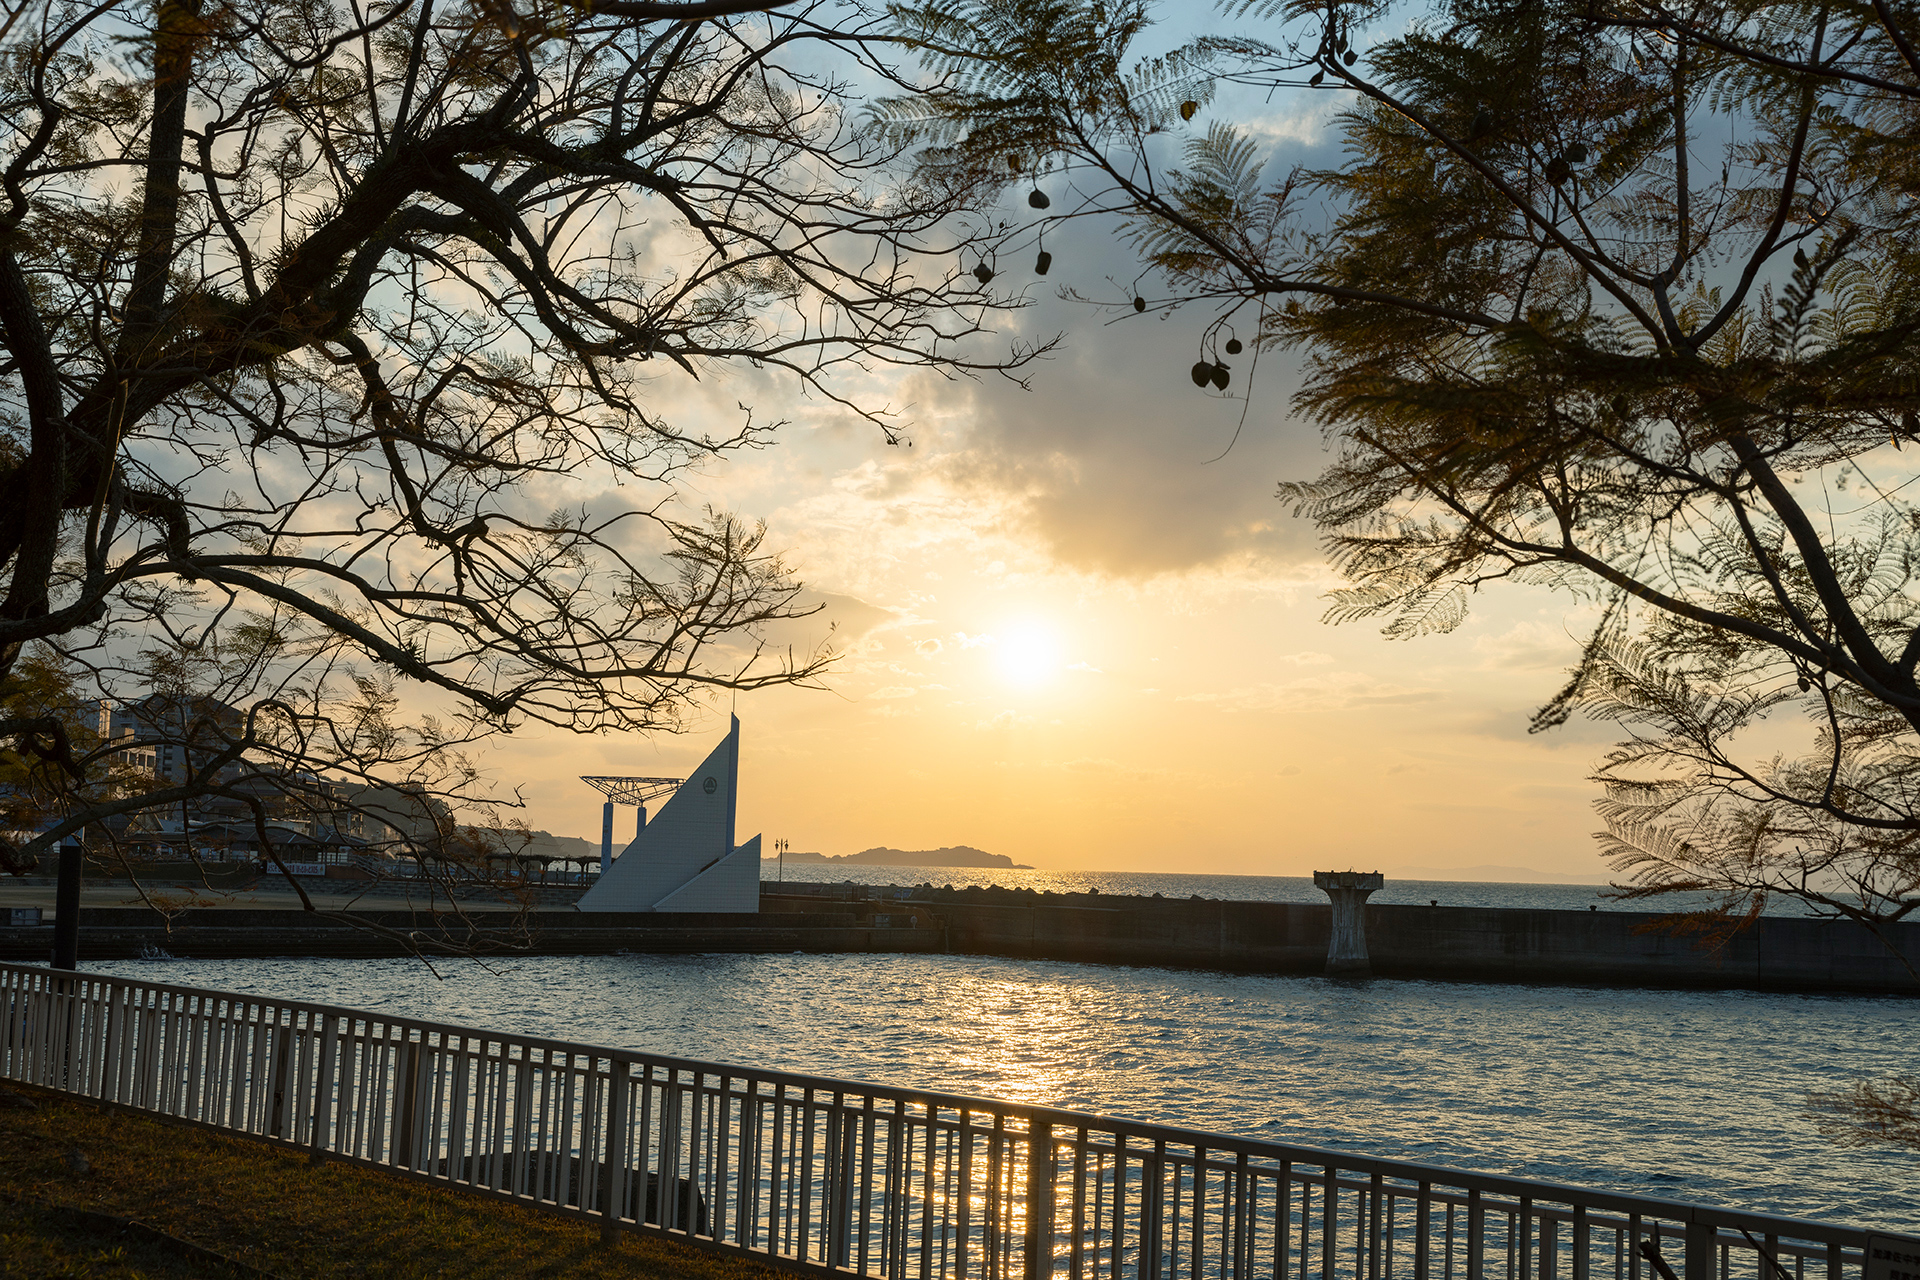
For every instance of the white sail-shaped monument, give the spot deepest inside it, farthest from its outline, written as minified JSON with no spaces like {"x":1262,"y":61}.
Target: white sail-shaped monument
{"x":686,"y":858}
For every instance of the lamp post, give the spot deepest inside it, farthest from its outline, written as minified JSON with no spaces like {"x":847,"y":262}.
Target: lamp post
{"x":66,"y":906}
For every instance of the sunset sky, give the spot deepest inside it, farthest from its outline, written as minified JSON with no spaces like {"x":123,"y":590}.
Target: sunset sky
{"x":1072,"y":639}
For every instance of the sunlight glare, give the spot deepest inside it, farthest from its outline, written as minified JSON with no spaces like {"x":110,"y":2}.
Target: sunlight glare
{"x":1028,"y":654}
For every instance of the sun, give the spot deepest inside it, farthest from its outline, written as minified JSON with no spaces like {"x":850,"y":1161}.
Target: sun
{"x":1027,"y":654}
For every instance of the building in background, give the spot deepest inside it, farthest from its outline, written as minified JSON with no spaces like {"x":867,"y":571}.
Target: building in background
{"x":161,"y":742}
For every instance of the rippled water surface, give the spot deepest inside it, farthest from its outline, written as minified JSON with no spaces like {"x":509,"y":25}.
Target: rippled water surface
{"x":1692,"y":1095}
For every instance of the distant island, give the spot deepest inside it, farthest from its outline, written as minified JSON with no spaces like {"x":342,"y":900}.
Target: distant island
{"x":958,"y":855}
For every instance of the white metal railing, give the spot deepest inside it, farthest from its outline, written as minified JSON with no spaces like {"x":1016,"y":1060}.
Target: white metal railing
{"x":831,"y":1174}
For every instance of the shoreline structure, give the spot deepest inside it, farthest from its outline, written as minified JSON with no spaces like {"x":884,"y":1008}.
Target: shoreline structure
{"x":1470,"y":944}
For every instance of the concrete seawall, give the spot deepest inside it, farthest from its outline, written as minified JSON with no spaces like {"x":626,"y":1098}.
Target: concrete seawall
{"x":1615,"y":948}
{"x":1481,"y":944}
{"x":129,"y":933}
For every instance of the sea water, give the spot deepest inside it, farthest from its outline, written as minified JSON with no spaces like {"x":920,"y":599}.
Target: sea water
{"x":1688,"y":1095}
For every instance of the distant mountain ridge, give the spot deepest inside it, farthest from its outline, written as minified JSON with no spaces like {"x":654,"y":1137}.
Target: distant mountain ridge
{"x":958,"y":855}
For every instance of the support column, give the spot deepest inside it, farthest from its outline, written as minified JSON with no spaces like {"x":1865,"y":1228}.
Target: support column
{"x":606,"y":836}
{"x":1347,"y":948}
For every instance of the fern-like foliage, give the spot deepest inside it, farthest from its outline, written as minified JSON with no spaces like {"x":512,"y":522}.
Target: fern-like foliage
{"x":1016,"y":86}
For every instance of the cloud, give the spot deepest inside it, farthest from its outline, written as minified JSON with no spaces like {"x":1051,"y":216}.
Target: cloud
{"x":847,"y":622}
{"x":1098,"y":764}
{"x":1532,"y":645}
{"x":1509,"y":724}
{"x":895,"y":691}
{"x":1106,"y":769}
{"x":1335,"y":691}
{"x":1109,"y":461}
{"x":1555,"y":791}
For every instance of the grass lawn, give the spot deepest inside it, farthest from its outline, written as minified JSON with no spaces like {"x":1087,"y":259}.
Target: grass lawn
{"x":271,"y":1211}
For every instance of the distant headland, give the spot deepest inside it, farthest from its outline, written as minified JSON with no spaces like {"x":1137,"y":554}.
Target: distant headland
{"x":958,"y":855}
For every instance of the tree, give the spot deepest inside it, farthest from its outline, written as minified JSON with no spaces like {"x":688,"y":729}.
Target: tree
{"x":1611,"y":298}
{"x":42,"y":693}
{"x":310,"y":312}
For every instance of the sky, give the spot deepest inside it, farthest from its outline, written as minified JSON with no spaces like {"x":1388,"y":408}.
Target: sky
{"x":1079,"y":629}
{"x":1075,"y":634}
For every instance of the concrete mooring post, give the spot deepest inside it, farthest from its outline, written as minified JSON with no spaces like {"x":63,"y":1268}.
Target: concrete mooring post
{"x":1347,"y":948}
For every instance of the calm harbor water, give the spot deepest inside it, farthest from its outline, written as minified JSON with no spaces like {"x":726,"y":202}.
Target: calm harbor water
{"x":1689,"y":1095}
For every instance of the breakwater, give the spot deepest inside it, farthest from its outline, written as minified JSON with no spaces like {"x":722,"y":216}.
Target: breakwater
{"x":1478,"y":944}
{"x":127,"y":933}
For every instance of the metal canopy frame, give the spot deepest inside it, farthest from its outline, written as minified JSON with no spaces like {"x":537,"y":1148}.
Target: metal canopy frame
{"x":635,"y":791}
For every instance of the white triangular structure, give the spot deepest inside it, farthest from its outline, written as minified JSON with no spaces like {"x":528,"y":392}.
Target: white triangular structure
{"x":724,"y":886}
{"x":685,"y":859}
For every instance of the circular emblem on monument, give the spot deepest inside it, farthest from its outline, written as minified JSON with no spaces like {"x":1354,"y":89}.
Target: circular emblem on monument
{"x":711,"y":785}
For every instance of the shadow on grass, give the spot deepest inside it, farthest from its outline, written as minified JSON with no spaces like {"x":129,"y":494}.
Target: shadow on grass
{"x":71,"y":1168}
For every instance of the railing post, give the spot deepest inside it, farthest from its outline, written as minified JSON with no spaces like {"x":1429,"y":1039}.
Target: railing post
{"x":1476,"y":1235}
{"x":963,"y":1237}
{"x":1283,"y":1224}
{"x":66,"y":1007}
{"x":837,"y":1171}
{"x":1039,"y":1200}
{"x":1523,"y":1223}
{"x":1376,"y":1232}
{"x":1702,"y":1243}
{"x":107,"y":1082}
{"x":1329,"y":1222}
{"x":747,"y":1204}
{"x":278,"y":1101}
{"x":323,"y":1089}
{"x":405,"y":1091}
{"x":1152,"y":1209}
{"x":1423,"y":1231}
{"x":613,"y":1165}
